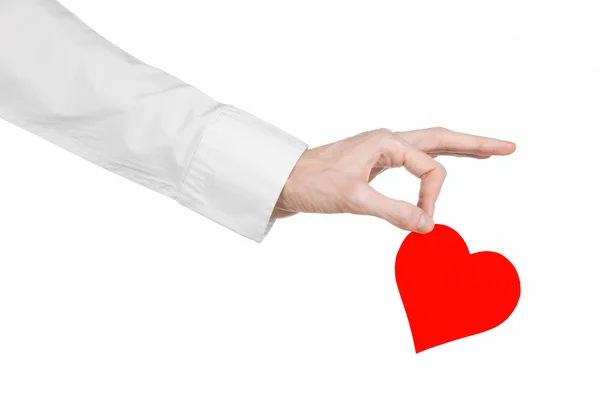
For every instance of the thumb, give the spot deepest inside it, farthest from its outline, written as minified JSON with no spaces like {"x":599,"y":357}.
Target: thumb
{"x":397,"y":212}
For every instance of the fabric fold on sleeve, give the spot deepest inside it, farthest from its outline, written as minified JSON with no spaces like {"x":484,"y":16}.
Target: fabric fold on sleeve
{"x":63,"y":82}
{"x":238,"y":171}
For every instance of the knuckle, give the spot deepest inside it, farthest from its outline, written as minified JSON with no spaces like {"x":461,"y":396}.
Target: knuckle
{"x":442,"y":170}
{"x":412,"y":219}
{"x":377,"y":132}
{"x":382,"y":133}
{"x":440,"y":136}
{"x":440,"y":132}
{"x":380,"y":137}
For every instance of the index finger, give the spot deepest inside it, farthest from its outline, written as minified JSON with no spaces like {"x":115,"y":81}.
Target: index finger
{"x":442,"y":140}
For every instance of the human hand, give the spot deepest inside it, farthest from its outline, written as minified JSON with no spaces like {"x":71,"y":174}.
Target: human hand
{"x":334,"y":178}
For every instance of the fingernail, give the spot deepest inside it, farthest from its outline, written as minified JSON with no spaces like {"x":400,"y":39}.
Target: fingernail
{"x":425,"y":224}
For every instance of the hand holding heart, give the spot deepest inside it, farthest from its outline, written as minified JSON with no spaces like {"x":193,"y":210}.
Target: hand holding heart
{"x":334,"y":178}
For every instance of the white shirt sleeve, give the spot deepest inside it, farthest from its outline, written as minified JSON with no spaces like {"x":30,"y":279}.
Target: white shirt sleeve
{"x":65,"y":83}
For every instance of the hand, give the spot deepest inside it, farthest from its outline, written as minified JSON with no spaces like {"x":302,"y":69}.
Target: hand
{"x":335,"y":178}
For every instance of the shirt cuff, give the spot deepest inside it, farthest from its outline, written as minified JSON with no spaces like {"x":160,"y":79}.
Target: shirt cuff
{"x":238,"y":172}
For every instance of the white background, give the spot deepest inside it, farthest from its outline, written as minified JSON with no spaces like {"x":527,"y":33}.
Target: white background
{"x":109,"y":289}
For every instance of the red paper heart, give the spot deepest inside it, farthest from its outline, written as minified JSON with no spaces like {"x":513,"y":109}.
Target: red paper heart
{"x":449,"y":294}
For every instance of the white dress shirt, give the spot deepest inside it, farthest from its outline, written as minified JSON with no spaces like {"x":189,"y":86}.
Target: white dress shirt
{"x":65,"y":83}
